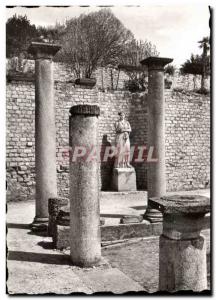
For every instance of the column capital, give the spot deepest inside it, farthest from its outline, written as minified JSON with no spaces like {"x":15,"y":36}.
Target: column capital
{"x":85,"y":109}
{"x":43,"y":50}
{"x":156,"y":63}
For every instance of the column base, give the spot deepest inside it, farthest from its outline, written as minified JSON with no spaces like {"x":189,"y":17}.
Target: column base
{"x":152,"y":215}
{"x":82,"y":263}
{"x":40,"y":224}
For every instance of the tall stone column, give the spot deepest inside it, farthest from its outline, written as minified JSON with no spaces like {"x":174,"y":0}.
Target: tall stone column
{"x":85,"y":246}
{"x":156,"y":172}
{"x":182,"y":249}
{"x":45,"y":133}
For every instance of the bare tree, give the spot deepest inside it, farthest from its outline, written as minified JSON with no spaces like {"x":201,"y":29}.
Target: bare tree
{"x":134,"y":52}
{"x":137,"y":50}
{"x":93,"y":40}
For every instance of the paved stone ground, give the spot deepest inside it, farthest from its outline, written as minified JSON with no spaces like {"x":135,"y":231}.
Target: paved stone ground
{"x":116,"y":204}
{"x":34,"y":267}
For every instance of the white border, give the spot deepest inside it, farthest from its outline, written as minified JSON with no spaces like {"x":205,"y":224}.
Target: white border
{"x":3,"y":4}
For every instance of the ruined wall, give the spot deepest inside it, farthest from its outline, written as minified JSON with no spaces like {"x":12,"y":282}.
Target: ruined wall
{"x":187,"y":134}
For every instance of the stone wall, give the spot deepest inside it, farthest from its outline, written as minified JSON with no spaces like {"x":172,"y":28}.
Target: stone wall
{"x":111,"y":78}
{"x":187,"y":82}
{"x":187,"y":140}
{"x":107,"y":78}
{"x":20,"y":146}
{"x":20,"y":131}
{"x":187,"y":134}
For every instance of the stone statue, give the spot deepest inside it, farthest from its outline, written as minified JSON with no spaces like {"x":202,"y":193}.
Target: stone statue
{"x":123,"y":175}
{"x":123,"y":129}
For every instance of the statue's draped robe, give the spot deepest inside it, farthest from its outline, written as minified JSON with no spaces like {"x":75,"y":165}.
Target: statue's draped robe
{"x":123,"y":129}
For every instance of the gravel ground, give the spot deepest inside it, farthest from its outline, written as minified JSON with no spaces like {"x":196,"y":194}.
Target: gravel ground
{"x":140,"y":260}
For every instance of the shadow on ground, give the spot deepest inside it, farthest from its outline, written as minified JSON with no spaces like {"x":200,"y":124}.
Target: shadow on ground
{"x":56,"y":259}
{"x":18,"y":226}
{"x":46,"y":245}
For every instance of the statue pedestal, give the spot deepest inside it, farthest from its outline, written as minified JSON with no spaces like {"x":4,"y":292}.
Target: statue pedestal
{"x":124,"y":179}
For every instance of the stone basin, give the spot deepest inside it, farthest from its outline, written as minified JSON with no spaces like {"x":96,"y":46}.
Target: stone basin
{"x":181,"y":204}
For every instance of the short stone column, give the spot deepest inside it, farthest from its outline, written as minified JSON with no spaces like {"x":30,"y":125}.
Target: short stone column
{"x":182,"y":249}
{"x":54,"y":206}
{"x":45,"y":133}
{"x":156,"y":172}
{"x":85,"y":245}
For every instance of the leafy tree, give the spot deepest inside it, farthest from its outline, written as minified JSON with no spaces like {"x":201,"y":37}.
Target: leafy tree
{"x":192,"y":65}
{"x":93,"y":40}
{"x":199,"y":64}
{"x":51,"y":33}
{"x":19,"y":33}
{"x":205,"y":46}
{"x":169,"y":69}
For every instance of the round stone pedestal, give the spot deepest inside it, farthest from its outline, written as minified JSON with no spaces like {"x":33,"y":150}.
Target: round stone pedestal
{"x":182,"y":264}
{"x":182,"y":250}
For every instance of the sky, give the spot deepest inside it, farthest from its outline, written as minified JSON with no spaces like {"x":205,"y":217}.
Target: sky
{"x":174,"y":29}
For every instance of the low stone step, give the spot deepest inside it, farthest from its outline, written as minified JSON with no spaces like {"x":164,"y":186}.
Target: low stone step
{"x":116,"y":232}
{"x":123,"y":195}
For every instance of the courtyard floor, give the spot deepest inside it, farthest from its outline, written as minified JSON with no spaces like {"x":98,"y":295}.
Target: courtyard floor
{"x":34,"y":267}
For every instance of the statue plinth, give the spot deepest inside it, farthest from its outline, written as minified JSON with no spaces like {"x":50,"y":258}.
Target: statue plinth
{"x":124,"y":179}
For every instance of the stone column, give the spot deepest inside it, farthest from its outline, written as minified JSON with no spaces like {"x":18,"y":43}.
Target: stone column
{"x":45,"y":133}
{"x":85,"y":245}
{"x":182,"y":249}
{"x":156,"y":174}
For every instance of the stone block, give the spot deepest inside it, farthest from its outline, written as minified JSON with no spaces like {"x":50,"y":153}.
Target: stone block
{"x":54,"y":205}
{"x":124,"y":179}
{"x":127,"y":231}
{"x":109,"y":233}
{"x":61,"y":237}
{"x":113,"y":232}
{"x":131,"y":219}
